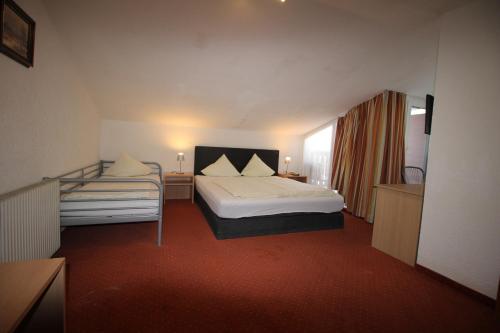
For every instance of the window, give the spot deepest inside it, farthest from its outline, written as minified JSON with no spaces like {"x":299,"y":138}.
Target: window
{"x":416,"y":150}
{"x":318,"y":156}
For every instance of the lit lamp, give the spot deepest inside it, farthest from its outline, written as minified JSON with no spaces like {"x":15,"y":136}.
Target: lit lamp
{"x":180,"y":159}
{"x":288,"y":159}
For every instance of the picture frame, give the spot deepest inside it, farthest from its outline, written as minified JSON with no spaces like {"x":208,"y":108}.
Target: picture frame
{"x":17,"y":33}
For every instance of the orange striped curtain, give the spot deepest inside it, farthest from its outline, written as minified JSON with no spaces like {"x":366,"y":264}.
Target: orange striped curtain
{"x":369,"y":150}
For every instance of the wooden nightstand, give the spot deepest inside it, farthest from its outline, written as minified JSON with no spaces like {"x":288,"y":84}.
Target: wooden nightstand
{"x":302,"y":179}
{"x":178,"y":185}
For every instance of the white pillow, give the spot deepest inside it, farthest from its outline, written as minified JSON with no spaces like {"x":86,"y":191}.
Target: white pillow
{"x":127,"y":166}
{"x":256,"y":168}
{"x":221,"y":168}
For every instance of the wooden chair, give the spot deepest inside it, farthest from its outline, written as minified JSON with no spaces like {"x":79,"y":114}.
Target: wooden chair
{"x":413,"y":175}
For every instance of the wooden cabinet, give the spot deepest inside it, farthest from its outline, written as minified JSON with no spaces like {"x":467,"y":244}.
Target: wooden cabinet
{"x":398,"y":213}
{"x":178,"y":185}
{"x":32,"y":296}
{"x":302,"y":179}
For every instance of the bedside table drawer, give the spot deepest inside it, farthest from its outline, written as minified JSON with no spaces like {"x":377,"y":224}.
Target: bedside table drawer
{"x":178,"y":179}
{"x":302,"y":179}
{"x":178,"y":192}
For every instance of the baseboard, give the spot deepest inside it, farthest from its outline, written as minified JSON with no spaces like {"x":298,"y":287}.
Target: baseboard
{"x":466,"y":290}
{"x":498,"y":300}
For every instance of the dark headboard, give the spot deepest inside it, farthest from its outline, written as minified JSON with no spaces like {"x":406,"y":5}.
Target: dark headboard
{"x":204,"y":156}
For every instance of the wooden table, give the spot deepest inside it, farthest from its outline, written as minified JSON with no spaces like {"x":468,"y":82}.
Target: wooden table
{"x":178,"y":185}
{"x":32,"y":296}
{"x":398,"y":213}
{"x":299,"y":178}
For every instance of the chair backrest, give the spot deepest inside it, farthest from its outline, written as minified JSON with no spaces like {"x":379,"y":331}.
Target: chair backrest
{"x":413,"y":175}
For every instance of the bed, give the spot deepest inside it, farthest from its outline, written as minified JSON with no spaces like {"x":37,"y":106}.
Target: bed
{"x":231,"y":217}
{"x":88,"y":197}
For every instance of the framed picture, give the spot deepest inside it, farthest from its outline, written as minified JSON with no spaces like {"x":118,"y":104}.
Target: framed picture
{"x":17,"y":33}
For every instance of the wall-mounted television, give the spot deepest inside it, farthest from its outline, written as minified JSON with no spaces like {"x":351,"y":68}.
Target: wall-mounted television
{"x":429,"y":106}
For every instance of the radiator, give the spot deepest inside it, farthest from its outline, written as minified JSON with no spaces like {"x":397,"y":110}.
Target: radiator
{"x":29,"y":222}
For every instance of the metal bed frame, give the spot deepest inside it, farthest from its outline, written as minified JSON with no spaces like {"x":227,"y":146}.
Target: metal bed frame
{"x":73,"y":181}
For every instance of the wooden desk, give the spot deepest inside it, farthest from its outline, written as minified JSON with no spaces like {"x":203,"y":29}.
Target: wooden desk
{"x":302,"y":179}
{"x":32,"y":296}
{"x":178,"y":185}
{"x":398,"y":213}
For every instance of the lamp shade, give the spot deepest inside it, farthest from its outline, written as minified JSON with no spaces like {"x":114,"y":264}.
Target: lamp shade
{"x":288,"y":159}
{"x":180,"y":156}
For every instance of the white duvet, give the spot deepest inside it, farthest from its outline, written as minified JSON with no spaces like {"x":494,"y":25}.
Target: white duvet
{"x":226,"y":205}
{"x":270,"y":187}
{"x":150,"y":193}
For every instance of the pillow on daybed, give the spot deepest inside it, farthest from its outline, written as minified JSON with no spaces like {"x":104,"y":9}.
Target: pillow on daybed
{"x":257,"y":168}
{"x":127,"y":166}
{"x":221,"y":168}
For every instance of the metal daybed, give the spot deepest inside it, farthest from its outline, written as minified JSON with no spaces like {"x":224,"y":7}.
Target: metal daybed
{"x":89,"y":198}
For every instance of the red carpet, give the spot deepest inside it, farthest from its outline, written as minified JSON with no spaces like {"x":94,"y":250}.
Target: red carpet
{"x":326,"y":281}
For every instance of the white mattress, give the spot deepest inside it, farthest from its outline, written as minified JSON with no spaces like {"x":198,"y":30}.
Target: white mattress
{"x":136,"y":203}
{"x":225,"y":205}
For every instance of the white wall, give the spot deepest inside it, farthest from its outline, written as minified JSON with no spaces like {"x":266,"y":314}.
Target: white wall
{"x":48,"y":124}
{"x":160,"y":143}
{"x":460,"y":236}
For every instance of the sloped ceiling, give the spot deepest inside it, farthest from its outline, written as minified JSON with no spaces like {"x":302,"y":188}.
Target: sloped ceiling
{"x":249,"y":64}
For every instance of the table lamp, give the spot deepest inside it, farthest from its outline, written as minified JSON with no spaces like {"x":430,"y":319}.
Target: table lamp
{"x":180,"y":159}
{"x":288,"y":159}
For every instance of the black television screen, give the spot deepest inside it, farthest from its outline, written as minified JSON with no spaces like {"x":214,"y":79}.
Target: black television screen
{"x":429,"y":106}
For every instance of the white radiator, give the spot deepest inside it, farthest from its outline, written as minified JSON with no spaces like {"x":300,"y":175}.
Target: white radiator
{"x":29,"y":222}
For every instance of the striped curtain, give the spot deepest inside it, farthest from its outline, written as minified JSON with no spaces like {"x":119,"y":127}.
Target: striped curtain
{"x":369,"y":150}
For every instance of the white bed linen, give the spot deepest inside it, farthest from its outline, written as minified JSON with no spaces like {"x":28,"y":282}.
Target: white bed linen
{"x":108,"y":208}
{"x":269,"y":187}
{"x":146,"y":202}
{"x":225,"y":205}
{"x":117,"y":186}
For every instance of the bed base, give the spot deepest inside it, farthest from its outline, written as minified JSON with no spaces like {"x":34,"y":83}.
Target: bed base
{"x":224,"y":228}
{"x":73,"y":181}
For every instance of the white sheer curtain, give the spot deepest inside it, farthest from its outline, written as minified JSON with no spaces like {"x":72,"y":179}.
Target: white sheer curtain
{"x":318,"y":156}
